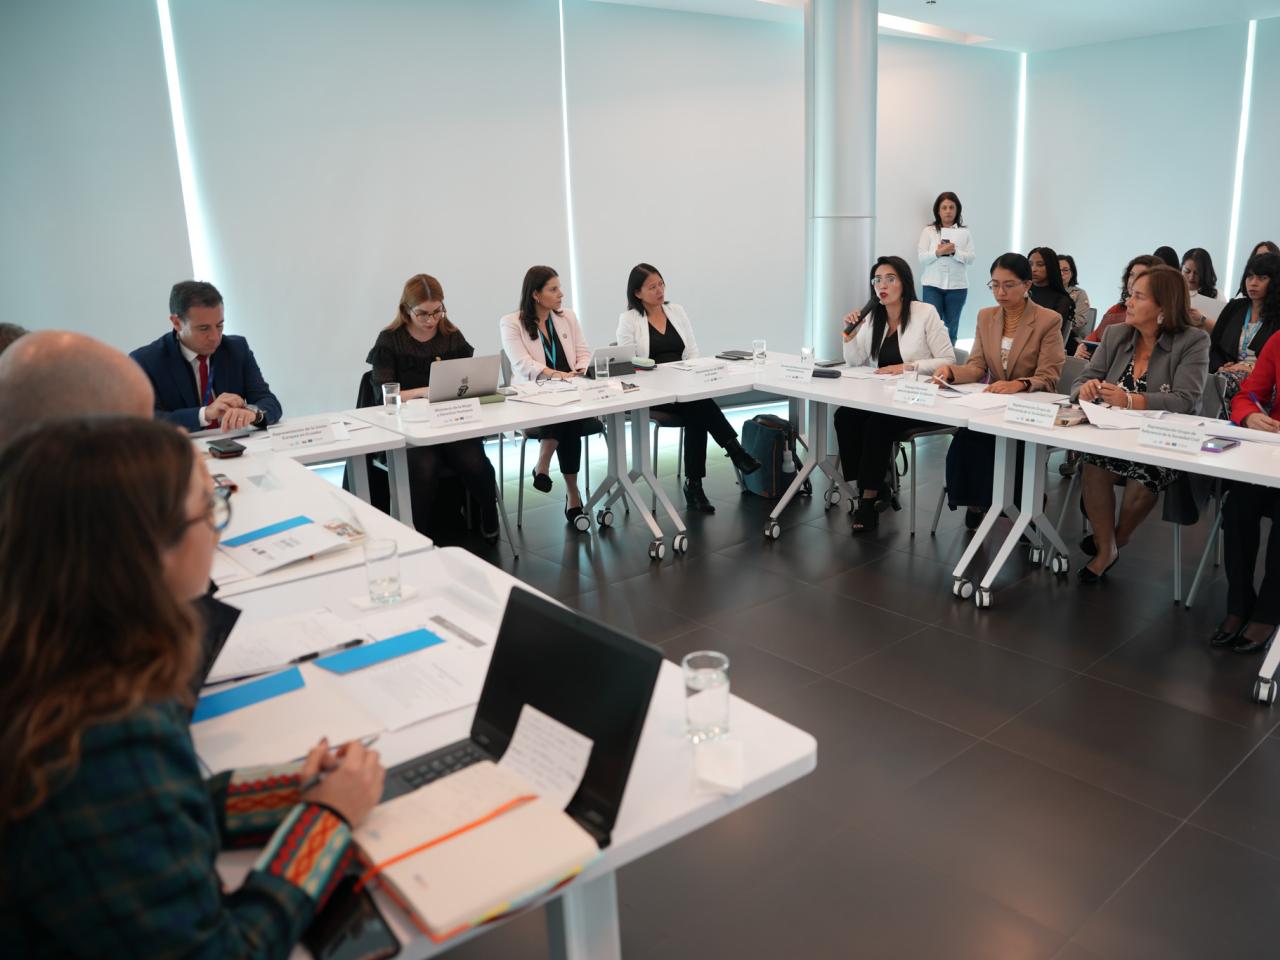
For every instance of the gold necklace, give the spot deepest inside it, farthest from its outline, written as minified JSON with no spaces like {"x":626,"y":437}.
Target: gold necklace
{"x":1005,"y":318}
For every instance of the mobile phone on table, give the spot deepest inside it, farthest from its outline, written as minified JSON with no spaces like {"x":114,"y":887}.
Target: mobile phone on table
{"x":350,"y":927}
{"x":1218,"y":444}
{"x":225,"y":449}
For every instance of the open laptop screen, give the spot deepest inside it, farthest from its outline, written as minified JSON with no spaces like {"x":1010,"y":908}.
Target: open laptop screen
{"x":584,"y":674}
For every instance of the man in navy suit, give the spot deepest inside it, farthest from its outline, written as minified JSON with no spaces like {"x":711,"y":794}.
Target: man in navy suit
{"x":202,"y":378}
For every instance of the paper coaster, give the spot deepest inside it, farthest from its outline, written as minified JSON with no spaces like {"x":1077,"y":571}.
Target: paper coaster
{"x":364,"y":603}
{"x":717,"y":765}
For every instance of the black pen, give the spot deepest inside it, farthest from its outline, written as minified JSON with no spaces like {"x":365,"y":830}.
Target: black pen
{"x":315,"y":655}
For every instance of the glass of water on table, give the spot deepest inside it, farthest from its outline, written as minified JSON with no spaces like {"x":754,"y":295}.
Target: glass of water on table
{"x":759,"y":353}
{"x":382,"y":569}
{"x":391,"y":398}
{"x":706,"y":695}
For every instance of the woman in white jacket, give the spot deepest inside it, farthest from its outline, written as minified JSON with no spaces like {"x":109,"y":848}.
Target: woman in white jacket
{"x":898,"y":330}
{"x":543,"y":341}
{"x":662,"y":331}
{"x":945,"y":252}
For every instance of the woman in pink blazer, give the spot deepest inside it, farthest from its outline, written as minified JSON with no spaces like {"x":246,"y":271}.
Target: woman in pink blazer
{"x":544,"y":342}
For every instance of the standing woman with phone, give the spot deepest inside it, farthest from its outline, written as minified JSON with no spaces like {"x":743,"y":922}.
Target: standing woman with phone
{"x":945,"y":252}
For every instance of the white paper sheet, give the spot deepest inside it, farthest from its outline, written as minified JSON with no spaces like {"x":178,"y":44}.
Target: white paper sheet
{"x":982,"y":401}
{"x":1225,"y":428}
{"x":279,"y":550}
{"x":1110,"y":418}
{"x":557,"y":398}
{"x":283,"y":728}
{"x":255,"y":647}
{"x":403,"y":691}
{"x":225,"y":570}
{"x":550,"y":755}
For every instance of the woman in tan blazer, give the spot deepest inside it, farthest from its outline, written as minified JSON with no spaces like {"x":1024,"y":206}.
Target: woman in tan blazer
{"x":1017,"y":348}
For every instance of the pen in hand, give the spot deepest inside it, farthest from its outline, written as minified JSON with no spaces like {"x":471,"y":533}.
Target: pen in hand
{"x":315,"y":779}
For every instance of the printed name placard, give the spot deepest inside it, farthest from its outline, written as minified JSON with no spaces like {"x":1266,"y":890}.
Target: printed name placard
{"x":294,"y":438}
{"x":592,"y":391}
{"x":1035,"y":413}
{"x":709,"y":374}
{"x":917,"y":393}
{"x":1170,"y":436}
{"x":455,"y":413}
{"x":796,"y":371}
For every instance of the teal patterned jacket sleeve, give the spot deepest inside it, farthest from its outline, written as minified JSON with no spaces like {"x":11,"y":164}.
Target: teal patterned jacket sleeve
{"x":120,"y":861}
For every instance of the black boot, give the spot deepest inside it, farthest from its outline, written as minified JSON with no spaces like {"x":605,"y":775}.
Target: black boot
{"x":744,"y":461}
{"x":696,"y":497}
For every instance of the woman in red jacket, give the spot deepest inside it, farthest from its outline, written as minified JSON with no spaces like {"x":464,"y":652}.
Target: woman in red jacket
{"x":1252,"y":614}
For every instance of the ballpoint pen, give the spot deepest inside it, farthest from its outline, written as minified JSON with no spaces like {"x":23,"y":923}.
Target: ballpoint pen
{"x":315,"y":779}
{"x":304,"y":658}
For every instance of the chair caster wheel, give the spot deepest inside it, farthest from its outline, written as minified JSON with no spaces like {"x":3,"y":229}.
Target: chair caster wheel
{"x":1036,"y":555}
{"x":680,"y":543}
{"x":657,"y":550}
{"x":1060,"y":565}
{"x":832,"y":496}
{"x":982,"y":598}
{"x":1264,"y":691}
{"x":773,"y":530}
{"x":604,"y":518}
{"x":962,"y":588}
{"x":582,"y":523}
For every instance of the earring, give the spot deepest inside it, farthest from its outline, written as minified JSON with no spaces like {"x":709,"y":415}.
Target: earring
{"x":1160,"y":320}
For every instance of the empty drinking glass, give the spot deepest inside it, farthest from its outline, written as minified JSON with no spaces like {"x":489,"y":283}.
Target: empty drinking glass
{"x":391,"y":398}
{"x":602,"y":367}
{"x":706,"y":695}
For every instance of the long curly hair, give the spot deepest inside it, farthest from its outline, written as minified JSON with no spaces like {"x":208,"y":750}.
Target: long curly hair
{"x":89,"y":630}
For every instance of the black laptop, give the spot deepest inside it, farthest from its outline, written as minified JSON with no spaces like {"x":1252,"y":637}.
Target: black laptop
{"x":586,"y":675}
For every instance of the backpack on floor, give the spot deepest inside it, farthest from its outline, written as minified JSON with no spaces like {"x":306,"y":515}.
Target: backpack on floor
{"x":770,"y":440}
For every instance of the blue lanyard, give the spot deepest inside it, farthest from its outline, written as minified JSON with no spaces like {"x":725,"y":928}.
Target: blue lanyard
{"x":550,"y":349}
{"x":1248,"y":333}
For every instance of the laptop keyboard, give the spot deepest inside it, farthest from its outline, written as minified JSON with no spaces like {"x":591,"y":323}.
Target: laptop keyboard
{"x":432,"y":766}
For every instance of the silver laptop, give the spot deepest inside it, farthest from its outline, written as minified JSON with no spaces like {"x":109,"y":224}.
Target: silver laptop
{"x":456,"y":379}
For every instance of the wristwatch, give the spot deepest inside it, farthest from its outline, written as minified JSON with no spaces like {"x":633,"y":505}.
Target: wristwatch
{"x":259,"y":415}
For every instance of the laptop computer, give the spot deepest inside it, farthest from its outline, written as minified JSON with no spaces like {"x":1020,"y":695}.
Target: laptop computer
{"x":620,"y":360}
{"x":470,"y":377}
{"x":219,"y":618}
{"x":580,"y":672}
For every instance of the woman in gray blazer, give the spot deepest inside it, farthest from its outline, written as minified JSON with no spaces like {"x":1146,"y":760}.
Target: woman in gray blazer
{"x":1155,"y":360}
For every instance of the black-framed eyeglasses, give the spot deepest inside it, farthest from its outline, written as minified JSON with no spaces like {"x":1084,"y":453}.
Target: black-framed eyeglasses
{"x":438,"y":313}
{"x":218,"y":512}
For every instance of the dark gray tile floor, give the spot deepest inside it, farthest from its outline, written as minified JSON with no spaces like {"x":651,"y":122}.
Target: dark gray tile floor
{"x":1071,"y":774}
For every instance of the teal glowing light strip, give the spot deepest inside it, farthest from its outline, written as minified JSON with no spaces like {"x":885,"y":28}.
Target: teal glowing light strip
{"x":1246,"y":104}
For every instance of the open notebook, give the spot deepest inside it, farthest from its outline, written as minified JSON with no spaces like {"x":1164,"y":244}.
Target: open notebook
{"x":471,"y":846}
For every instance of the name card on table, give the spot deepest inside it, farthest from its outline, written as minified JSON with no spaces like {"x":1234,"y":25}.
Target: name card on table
{"x":797,"y":371}
{"x":916,"y":393}
{"x":1034,"y":413}
{"x":704,"y":376}
{"x":455,"y":413}
{"x":595,"y":391}
{"x":294,"y":438}
{"x":1171,"y":436}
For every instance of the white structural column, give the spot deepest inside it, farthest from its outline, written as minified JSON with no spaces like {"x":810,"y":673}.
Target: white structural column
{"x":840,"y":40}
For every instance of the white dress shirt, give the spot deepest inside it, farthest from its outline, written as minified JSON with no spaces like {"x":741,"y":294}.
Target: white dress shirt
{"x":950,"y":272}
{"x":193,"y":361}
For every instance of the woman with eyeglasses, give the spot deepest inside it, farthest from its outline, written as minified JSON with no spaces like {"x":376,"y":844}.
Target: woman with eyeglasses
{"x":897,"y":331}
{"x":944,"y":252}
{"x":420,"y":334}
{"x":108,"y":829}
{"x":543,"y":341}
{"x":1017,"y":349}
{"x":1157,"y":360}
{"x":1115,"y":314}
{"x":662,"y":331}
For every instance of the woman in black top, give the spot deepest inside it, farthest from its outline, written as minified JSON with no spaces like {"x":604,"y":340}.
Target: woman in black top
{"x":1247,"y":323}
{"x":419,"y":335}
{"x":1047,"y":290}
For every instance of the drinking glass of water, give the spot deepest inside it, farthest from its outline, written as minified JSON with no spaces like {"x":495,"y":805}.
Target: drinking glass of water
{"x":759,"y":353}
{"x":382,"y":569}
{"x":706,"y":695}
{"x":909,"y":371}
{"x":602,"y":367}
{"x":391,"y":398}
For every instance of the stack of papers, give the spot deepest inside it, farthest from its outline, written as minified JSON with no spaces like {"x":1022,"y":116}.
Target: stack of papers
{"x":1112,"y":418}
{"x":280,"y":544}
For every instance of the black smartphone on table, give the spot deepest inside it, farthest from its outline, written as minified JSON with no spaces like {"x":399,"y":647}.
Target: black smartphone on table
{"x":225,"y":449}
{"x":350,"y":927}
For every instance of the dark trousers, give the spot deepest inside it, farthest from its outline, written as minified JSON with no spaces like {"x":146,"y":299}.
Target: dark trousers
{"x":568,"y":437}
{"x":1242,"y":531}
{"x":465,"y":459}
{"x":971,"y":468}
{"x":866,"y":442}
{"x":949,"y":304}
{"x":701,"y":417}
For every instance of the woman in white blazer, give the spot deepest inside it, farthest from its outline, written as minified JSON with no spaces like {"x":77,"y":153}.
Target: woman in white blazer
{"x":896,"y":331}
{"x":945,"y":252}
{"x":543,"y":341}
{"x":662,"y":332}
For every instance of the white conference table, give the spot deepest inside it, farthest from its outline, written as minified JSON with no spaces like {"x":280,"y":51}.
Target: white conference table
{"x":361,"y":438}
{"x":414,"y":424}
{"x":266,"y":479}
{"x":662,"y":802}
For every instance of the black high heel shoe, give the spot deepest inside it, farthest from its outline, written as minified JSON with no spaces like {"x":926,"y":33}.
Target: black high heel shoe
{"x":1088,"y":576}
{"x":865,"y":517}
{"x":1245,"y":645}
{"x":1225,"y":638}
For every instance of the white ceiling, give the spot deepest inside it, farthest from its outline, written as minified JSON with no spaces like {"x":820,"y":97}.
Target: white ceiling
{"x":1028,"y":25}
